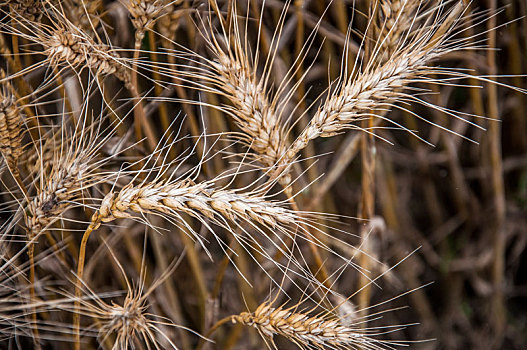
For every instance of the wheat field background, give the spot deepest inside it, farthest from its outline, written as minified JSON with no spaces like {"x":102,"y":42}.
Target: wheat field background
{"x":254,"y":174}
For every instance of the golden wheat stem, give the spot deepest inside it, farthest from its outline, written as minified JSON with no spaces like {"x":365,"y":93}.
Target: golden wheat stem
{"x":163,"y":113}
{"x":211,"y":331}
{"x":159,"y":247}
{"x":197,"y":274}
{"x":34,"y":314}
{"x":367,"y":184}
{"x":498,"y":306}
{"x":78,"y":285}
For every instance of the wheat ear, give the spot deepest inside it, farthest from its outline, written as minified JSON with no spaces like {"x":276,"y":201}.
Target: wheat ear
{"x":234,"y":75}
{"x":308,"y":331}
{"x":68,"y":48}
{"x":11,"y":127}
{"x":144,"y":14}
{"x":255,"y":114}
{"x":65,"y":184}
{"x":29,"y":9}
{"x":171,"y":199}
{"x":397,"y":17}
{"x":198,"y":200}
{"x":74,"y":169}
{"x":130,"y":319}
{"x":379,"y":86}
{"x":67,"y":45}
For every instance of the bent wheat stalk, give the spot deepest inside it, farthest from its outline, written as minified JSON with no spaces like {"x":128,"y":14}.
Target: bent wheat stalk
{"x":129,"y":320}
{"x":199,"y":200}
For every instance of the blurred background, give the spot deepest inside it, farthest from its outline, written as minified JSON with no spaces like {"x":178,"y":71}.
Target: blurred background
{"x":462,"y":203}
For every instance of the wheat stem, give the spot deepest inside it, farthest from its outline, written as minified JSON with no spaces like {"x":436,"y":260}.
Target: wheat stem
{"x":500,"y":206}
{"x":34,"y":314}
{"x":78,"y":285}
{"x":211,"y":331}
